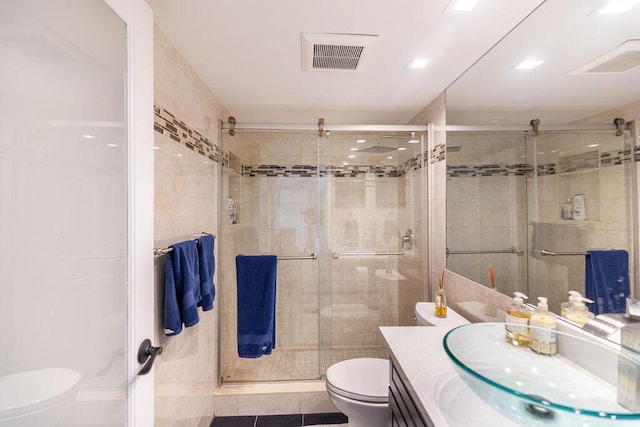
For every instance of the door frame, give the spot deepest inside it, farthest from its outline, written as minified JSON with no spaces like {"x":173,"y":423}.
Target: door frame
{"x":140,"y":290}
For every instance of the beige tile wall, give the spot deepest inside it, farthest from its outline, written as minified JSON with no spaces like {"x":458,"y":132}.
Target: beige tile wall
{"x":185,"y":204}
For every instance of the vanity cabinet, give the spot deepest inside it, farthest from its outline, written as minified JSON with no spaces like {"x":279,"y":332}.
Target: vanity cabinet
{"x":403,"y":409}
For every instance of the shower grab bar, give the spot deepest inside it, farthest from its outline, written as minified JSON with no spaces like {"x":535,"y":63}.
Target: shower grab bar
{"x":337,"y":255}
{"x":163,"y":251}
{"x":545,"y":252}
{"x":290,"y":257}
{"x":511,"y":250}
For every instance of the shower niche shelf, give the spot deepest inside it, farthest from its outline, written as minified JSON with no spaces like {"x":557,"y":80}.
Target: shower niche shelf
{"x":231,"y":164}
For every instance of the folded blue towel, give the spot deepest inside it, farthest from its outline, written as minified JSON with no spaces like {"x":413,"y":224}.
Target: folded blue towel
{"x":181,"y":287}
{"x":256,"y":280}
{"x":607,"y":280}
{"x":207,"y":265}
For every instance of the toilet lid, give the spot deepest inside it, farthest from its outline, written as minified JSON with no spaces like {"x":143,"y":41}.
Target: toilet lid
{"x":365,"y":379}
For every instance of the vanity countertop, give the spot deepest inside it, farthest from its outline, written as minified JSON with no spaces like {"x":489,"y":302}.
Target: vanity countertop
{"x":446,"y":400}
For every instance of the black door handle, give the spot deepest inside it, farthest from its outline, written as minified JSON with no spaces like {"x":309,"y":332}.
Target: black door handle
{"x":147,"y":353}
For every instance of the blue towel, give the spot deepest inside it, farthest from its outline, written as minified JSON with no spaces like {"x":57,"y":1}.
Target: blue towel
{"x":607,"y":280}
{"x":256,"y":280}
{"x":207,"y":268}
{"x":181,"y":287}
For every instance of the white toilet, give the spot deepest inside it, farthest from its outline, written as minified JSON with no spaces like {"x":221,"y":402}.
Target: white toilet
{"x":37,"y":398}
{"x":360,"y":387}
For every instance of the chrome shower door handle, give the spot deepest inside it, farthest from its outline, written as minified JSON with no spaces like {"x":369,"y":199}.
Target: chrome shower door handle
{"x":147,"y":353}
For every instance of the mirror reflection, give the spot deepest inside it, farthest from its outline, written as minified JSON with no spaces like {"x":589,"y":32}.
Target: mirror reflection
{"x":523,"y":207}
{"x":523,"y":210}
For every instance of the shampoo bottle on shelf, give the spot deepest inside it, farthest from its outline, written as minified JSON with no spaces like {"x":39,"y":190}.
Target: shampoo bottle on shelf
{"x":517,"y":319}
{"x":543,"y":329}
{"x":567,"y":209}
{"x":579,"y":209}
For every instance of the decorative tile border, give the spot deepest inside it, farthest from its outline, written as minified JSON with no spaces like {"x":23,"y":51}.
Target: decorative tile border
{"x":584,"y":161}
{"x":438,"y":153}
{"x":166,"y":123}
{"x":579,"y":162}
{"x":347,"y":171}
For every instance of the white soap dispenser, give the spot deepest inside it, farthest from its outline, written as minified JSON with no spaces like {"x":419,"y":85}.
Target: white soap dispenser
{"x":517,"y":319}
{"x":566,"y":306}
{"x":578,"y":313}
{"x":543,"y":327}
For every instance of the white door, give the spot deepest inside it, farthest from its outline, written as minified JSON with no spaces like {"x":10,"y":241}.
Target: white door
{"x":76,"y":209}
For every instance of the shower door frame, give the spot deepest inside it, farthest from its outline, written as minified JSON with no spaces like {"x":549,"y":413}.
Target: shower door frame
{"x":635,"y":191}
{"x":426,"y":132}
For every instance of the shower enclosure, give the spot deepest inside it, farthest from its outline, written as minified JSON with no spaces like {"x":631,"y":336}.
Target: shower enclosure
{"x":341,"y":209}
{"x":506,"y":190}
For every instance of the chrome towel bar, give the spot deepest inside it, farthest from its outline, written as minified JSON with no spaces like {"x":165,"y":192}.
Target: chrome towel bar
{"x":163,"y":251}
{"x":337,"y":255}
{"x":511,"y":250}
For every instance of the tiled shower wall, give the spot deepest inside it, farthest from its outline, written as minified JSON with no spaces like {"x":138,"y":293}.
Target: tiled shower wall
{"x":486,"y":206}
{"x":186,"y":123}
{"x":464,"y":291}
{"x":366,"y":205}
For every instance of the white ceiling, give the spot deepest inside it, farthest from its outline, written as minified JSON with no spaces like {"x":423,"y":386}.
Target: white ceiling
{"x":249,"y":54}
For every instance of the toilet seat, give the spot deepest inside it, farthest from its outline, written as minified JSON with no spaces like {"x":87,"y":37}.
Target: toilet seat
{"x":30,"y":391}
{"x":364,"y":379}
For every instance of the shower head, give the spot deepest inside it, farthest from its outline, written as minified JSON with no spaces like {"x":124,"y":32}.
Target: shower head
{"x":377,"y":149}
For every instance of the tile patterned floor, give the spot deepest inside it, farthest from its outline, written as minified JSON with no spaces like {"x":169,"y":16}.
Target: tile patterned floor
{"x":297,"y":364}
{"x":295,"y":420}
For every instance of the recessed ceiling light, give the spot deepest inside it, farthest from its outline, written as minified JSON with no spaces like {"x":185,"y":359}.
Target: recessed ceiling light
{"x":418,"y":62}
{"x":413,"y":141}
{"x":528,"y":64}
{"x":402,"y":148}
{"x":464,"y":5}
{"x":593,"y":145}
{"x":86,"y":135}
{"x":112,"y":145}
{"x":352,"y":156}
{"x":353,"y":149}
{"x":389,"y":157}
{"x":361,"y":141}
{"x":617,"y":6}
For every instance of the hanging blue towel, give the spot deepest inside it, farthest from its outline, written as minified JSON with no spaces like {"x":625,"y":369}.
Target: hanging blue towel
{"x":607,"y":280}
{"x":181,"y":287}
{"x":256,"y":280}
{"x":207,"y":267}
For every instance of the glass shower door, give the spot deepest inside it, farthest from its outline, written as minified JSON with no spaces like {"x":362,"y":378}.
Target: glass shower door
{"x":591,"y":165}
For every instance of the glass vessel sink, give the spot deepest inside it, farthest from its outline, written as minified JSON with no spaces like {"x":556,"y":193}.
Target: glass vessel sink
{"x":576,"y":387}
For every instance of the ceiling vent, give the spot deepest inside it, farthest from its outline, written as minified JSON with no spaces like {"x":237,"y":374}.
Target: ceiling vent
{"x":335,"y":52}
{"x":619,"y":60}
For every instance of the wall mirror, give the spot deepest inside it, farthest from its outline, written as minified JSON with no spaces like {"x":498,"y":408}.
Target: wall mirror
{"x":507,"y":181}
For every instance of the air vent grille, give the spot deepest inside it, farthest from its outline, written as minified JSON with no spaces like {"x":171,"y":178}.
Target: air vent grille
{"x":335,"y":51}
{"x":335,"y":57}
{"x":621,"y":59}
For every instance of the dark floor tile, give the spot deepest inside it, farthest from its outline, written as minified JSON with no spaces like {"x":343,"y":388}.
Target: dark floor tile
{"x":313,"y":419}
{"x":245,"y":421}
{"x":294,"y":420}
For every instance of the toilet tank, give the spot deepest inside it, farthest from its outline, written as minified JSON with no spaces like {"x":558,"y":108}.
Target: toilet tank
{"x":425,"y":316}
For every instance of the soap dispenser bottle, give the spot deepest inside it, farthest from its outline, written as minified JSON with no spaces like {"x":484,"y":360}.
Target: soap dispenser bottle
{"x":543,"y":329}
{"x":566,"y":306}
{"x":517,"y":319}
{"x":578,"y":313}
